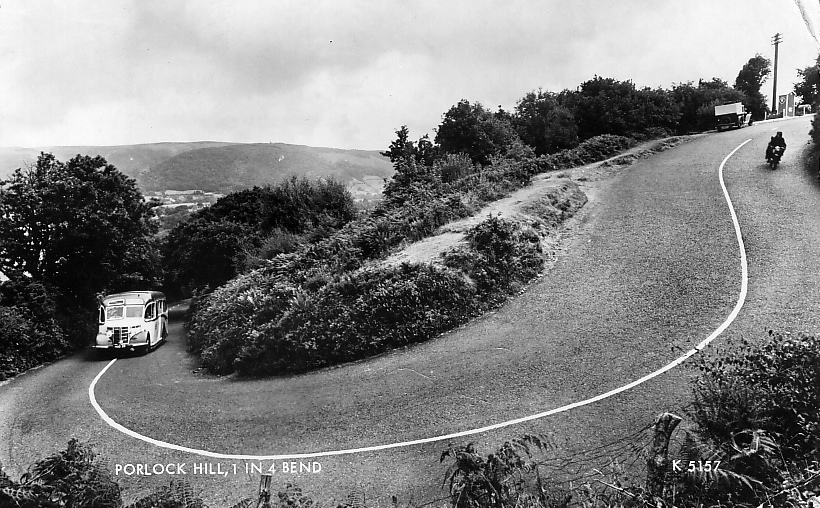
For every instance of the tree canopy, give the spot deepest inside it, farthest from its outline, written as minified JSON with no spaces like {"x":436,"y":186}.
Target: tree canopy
{"x":807,"y":88}
{"x":79,"y":227}
{"x":208,"y":248}
{"x":471,"y":129}
{"x":544,"y":124}
{"x":749,"y":81}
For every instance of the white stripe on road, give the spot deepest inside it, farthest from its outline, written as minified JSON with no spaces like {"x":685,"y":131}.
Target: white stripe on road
{"x":741,"y":299}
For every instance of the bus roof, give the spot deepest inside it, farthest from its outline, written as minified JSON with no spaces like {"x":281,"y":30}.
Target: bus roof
{"x":143,"y":296}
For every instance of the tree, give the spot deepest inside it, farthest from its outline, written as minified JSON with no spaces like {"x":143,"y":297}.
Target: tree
{"x":80,"y":228}
{"x":807,"y":87}
{"x":401,"y":148}
{"x":696,"y":103}
{"x":212,"y":246}
{"x":544,"y":124}
{"x":471,"y":129}
{"x":749,"y":81}
{"x":608,"y":106}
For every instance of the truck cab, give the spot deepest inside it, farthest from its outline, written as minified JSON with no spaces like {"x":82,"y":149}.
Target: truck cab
{"x":731,"y":115}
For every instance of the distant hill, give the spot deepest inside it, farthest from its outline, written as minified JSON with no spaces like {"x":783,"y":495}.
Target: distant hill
{"x":234,"y":167}
{"x":130,"y":159}
{"x":222,"y":167}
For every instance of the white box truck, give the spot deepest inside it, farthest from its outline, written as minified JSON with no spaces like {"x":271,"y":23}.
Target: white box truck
{"x":731,"y":115}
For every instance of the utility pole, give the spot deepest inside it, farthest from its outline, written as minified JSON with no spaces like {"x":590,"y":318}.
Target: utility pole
{"x":775,"y":41}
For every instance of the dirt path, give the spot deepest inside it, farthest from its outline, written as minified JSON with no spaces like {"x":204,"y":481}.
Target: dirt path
{"x":591,"y":178}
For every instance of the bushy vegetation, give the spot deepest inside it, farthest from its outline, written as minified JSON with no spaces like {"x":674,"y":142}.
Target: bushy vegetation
{"x":77,"y":478}
{"x":755,"y":411}
{"x":592,"y":150}
{"x":358,"y":315}
{"x":73,"y":478}
{"x":275,"y":320}
{"x":244,"y":228}
{"x":68,"y":231}
{"x":29,"y":332}
{"x":770,"y":387}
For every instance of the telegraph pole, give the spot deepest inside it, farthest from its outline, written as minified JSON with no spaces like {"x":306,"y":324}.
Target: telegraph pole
{"x":775,"y":41}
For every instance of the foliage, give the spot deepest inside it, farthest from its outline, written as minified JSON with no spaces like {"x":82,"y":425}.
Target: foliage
{"x":201,"y":251}
{"x":178,"y":494}
{"x":770,"y":386}
{"x":245,"y":227}
{"x":500,"y":256}
{"x":313,"y":322}
{"x":696,"y":103}
{"x":471,"y":129}
{"x":608,"y":106}
{"x":749,"y":81}
{"x":80,"y":228}
{"x":746,"y":473}
{"x":809,"y":83}
{"x":29,"y":332}
{"x":455,"y":166}
{"x":422,"y":152}
{"x":499,"y":480}
{"x":592,"y":150}
{"x":73,"y":478}
{"x":544,"y":124}
{"x":358,"y":315}
{"x":224,"y":322}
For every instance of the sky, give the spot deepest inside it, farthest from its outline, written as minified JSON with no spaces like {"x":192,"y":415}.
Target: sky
{"x":349,"y":73}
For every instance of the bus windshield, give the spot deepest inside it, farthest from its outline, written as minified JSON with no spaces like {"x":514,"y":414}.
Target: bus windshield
{"x":130,"y":311}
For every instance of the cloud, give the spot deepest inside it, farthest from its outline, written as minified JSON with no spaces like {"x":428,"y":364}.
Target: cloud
{"x":342,"y":73}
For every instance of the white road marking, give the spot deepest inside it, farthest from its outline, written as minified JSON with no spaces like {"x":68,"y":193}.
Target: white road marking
{"x":741,"y":299}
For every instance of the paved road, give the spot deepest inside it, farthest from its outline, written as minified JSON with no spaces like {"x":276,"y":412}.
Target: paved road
{"x":651,"y":269}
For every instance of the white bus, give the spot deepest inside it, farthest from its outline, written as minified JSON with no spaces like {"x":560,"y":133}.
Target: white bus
{"x":136,"y":319}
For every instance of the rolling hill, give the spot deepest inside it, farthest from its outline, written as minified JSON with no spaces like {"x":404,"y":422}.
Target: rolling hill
{"x":233,"y":167}
{"x":222,"y":167}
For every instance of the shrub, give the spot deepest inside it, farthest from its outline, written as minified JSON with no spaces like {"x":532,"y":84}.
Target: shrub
{"x":500,"y":256}
{"x":592,"y":150}
{"x":359,"y":315}
{"x":29,"y":333}
{"x":502,"y":479}
{"x":71,"y":478}
{"x":772,"y":387}
{"x":224,"y":319}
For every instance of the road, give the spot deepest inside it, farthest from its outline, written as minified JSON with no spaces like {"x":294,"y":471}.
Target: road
{"x":651,"y":268}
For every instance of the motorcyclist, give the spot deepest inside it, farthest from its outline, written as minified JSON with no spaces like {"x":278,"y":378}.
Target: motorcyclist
{"x":777,"y":140}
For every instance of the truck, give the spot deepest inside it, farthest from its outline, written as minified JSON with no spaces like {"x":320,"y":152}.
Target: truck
{"x":731,"y":115}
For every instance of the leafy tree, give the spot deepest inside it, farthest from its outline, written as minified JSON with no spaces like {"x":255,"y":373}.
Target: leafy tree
{"x":411,"y":180}
{"x":471,"y":129}
{"x":200,"y":252}
{"x":749,"y":81}
{"x":26,"y":316}
{"x":216,"y":243}
{"x":423,"y":151}
{"x":608,"y":106}
{"x":807,"y":87}
{"x":544,"y":124}
{"x":696,"y":103}
{"x":79,"y":227}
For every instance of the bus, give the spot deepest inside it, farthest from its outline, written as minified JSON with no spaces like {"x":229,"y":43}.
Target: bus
{"x":132,"y":320}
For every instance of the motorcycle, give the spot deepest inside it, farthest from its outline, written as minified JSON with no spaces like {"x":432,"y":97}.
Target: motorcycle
{"x":774,"y":157}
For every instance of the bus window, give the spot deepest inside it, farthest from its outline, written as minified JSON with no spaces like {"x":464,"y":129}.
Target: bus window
{"x":150,"y":311}
{"x":118,"y":312}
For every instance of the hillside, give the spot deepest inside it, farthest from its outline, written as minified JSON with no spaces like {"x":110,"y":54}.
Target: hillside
{"x":222,"y":167}
{"x":130,"y":159}
{"x":234,"y":167}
